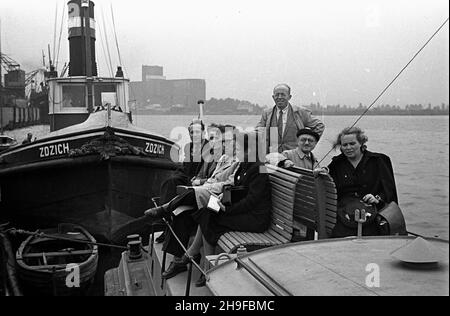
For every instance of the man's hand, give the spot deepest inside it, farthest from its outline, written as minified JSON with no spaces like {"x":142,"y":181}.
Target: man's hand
{"x":196,"y":182}
{"x":287,"y":163}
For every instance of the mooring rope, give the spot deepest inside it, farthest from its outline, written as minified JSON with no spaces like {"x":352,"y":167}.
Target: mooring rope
{"x":41,"y":234}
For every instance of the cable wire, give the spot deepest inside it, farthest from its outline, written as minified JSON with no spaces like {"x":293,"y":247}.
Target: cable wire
{"x":392,"y":81}
{"x":106,"y":41}
{"x":60,"y":34}
{"x":115,"y":35}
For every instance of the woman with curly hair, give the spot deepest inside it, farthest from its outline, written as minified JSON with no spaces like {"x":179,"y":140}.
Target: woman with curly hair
{"x":363,"y":179}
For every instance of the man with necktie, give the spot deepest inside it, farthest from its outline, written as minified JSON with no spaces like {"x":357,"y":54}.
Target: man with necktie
{"x":282,"y":122}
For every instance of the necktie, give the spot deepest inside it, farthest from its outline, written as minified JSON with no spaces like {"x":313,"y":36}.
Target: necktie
{"x":280,"y":126}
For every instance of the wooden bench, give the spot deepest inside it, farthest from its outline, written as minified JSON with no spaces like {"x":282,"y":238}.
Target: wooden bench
{"x":301,"y":205}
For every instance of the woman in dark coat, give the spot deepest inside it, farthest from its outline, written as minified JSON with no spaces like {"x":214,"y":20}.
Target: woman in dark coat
{"x":360,"y":175}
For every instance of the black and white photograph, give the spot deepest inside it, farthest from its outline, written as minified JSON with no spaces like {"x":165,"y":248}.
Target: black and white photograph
{"x":224,"y":152}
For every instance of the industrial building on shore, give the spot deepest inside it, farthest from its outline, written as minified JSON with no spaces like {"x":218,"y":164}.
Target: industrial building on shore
{"x":158,"y":94}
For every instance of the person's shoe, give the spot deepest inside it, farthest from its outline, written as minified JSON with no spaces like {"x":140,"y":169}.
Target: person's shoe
{"x":156,"y":212}
{"x":174,"y":269}
{"x":201,"y":281}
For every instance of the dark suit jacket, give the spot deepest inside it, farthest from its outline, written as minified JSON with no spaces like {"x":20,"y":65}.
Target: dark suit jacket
{"x":258,"y":199}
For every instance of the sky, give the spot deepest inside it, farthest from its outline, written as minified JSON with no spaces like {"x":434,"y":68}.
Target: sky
{"x":328,"y":51}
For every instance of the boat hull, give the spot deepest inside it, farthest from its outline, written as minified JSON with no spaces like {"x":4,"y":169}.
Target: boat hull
{"x":99,"y":195}
{"x":99,"y":190}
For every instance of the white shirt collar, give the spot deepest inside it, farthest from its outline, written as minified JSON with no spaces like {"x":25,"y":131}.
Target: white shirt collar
{"x":284,"y":110}
{"x":302,"y":155}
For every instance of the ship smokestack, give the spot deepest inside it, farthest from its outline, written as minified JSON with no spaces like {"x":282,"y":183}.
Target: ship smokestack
{"x":82,"y":38}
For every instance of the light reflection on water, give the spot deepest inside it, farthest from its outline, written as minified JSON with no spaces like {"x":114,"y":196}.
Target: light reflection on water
{"x":417,"y":145}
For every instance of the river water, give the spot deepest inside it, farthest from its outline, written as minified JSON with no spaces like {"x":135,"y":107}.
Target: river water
{"x":418,"y":147}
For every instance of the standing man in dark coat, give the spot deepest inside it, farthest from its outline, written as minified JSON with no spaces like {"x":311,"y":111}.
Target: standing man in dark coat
{"x":286,"y":120}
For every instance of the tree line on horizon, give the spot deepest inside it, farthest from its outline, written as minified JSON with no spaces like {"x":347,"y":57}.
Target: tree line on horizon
{"x":231,"y":106}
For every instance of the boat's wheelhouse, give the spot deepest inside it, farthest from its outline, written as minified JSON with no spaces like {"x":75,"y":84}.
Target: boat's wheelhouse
{"x":72,"y":99}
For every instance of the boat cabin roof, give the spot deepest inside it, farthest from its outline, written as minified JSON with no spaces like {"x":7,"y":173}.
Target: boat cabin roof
{"x":345,"y":266}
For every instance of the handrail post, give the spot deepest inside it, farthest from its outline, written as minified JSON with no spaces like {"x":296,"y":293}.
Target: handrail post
{"x":188,"y":284}
{"x":321,"y":207}
{"x":152,"y":241}
{"x":163,"y":266}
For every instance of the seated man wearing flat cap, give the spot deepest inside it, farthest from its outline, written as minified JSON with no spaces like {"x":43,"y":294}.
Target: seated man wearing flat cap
{"x":302,"y":156}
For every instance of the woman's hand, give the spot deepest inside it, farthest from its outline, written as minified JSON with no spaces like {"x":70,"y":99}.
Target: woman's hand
{"x":320,"y":170}
{"x":222,"y":207}
{"x":370,"y":199}
{"x":196,"y":182}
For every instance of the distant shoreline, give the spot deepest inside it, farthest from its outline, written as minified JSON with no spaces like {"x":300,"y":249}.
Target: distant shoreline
{"x":315,"y":114}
